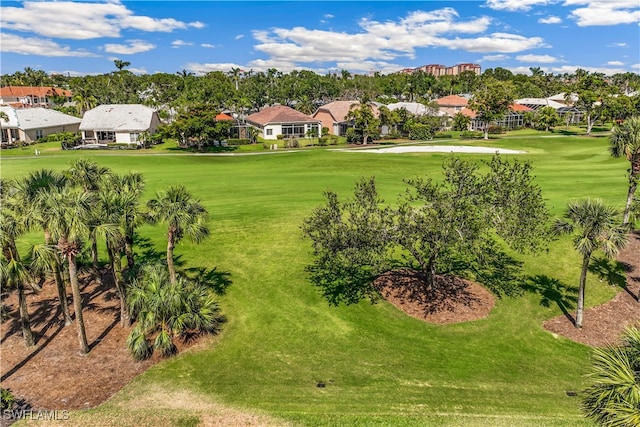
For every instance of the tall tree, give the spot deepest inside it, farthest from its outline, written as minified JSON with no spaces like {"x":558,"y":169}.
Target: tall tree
{"x":13,"y":271}
{"x":364,"y":120}
{"x":71,"y":208}
{"x":183,"y":215}
{"x":491,"y":101}
{"x":87,"y":175}
{"x":120,"y":64}
{"x":624,"y":141}
{"x":594,"y":226}
{"x":33,"y":191}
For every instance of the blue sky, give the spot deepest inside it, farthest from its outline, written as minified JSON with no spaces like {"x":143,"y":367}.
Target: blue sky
{"x":558,"y":36}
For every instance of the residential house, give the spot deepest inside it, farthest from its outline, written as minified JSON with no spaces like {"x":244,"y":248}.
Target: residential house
{"x":32,"y":96}
{"x":452,"y":104}
{"x":283,"y":120}
{"x":568,"y":113}
{"x":119,"y":123}
{"x":334,"y":116}
{"x":512,"y":120}
{"x":28,"y":125}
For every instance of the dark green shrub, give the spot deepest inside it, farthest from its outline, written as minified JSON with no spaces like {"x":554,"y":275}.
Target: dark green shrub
{"x":280,"y":136}
{"x":469,"y":134}
{"x":441,"y":135}
{"x":495,"y":130}
{"x":238,"y":141}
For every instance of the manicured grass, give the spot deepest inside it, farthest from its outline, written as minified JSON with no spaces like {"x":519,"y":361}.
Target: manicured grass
{"x":380,"y":367}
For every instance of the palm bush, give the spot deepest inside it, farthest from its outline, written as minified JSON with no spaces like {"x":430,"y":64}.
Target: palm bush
{"x":614,"y":398}
{"x":166,"y":310}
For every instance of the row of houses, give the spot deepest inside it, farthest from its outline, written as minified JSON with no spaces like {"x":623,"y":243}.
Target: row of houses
{"x":125,"y":123}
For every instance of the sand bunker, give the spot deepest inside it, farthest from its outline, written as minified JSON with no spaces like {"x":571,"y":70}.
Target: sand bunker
{"x":441,"y":149}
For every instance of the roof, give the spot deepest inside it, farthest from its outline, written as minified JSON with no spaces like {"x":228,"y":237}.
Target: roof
{"x":519,"y":107}
{"x":339,"y":109}
{"x":39,"y":91}
{"x":279,"y":114}
{"x":452,"y":101}
{"x":223,"y":116}
{"x":118,"y":117}
{"x":469,"y":113}
{"x":414,"y":108}
{"x":562,"y":97}
{"x":544,"y":102}
{"x":36,"y":118}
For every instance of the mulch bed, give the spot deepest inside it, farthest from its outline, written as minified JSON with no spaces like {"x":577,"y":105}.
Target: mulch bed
{"x":450,"y":300}
{"x":603,"y":324}
{"x":52,"y":374}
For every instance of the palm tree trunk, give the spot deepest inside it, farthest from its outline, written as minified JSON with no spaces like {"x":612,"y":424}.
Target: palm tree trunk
{"x":633,"y":184}
{"x":116,"y":269}
{"x":94,"y":259}
{"x":27,"y":334}
{"x":77,"y":304}
{"x":583,"y":282}
{"x":62,"y":291}
{"x":128,"y":249}
{"x":170,"y":266}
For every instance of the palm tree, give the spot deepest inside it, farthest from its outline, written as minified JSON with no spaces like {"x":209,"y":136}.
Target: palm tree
{"x":594,"y":226}
{"x":169,"y":309}
{"x":130,"y":187}
{"x":12,"y":271}
{"x":614,"y":398}
{"x":33,"y":192}
{"x":70,"y":209}
{"x":88,"y":175}
{"x":183,"y":215}
{"x":625,"y":141}
{"x":120,"y":64}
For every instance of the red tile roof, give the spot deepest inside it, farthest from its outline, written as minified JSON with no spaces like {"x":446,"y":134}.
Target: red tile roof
{"x":279,"y":114}
{"x":39,"y":91}
{"x":223,"y":116}
{"x":452,"y":101}
{"x":519,"y":107}
{"x":469,"y":113}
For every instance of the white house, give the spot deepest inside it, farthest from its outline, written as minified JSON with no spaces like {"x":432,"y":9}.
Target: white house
{"x":31,"y":124}
{"x":119,"y":123}
{"x":283,"y":120}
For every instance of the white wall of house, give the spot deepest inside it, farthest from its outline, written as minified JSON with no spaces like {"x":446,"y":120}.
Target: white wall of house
{"x":272,"y":131}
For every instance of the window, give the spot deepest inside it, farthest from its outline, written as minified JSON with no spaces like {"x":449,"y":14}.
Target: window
{"x":293,"y":131}
{"x":106,"y":135}
{"x":269,"y":132}
{"x":39,"y":134}
{"x":133,"y":137}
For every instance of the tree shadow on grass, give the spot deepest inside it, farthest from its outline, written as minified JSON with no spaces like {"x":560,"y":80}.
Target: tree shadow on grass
{"x":552,"y":290}
{"x":613,"y":272}
{"x":213,"y":279}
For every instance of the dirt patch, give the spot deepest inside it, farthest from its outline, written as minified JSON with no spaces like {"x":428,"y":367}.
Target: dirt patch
{"x":603,"y":324}
{"x":52,"y":374}
{"x":450,"y":300}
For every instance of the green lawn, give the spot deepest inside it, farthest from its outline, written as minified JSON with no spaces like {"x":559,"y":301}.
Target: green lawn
{"x":380,"y":366}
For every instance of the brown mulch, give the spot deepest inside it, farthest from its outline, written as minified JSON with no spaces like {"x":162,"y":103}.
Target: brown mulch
{"x":451,"y":300}
{"x":604,"y":323}
{"x":52,"y":374}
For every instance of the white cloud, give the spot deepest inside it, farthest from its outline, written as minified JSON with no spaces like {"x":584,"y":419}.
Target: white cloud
{"x":516,"y":5}
{"x":617,"y":45}
{"x":239,"y":36}
{"x":135,"y":70}
{"x":542,"y":59}
{"x":328,"y":16}
{"x":550,"y":20}
{"x":81,"y":21}
{"x":604,"y":12}
{"x":572,"y":69}
{"x":206,"y":68}
{"x":493,"y":58}
{"x":133,"y":46}
{"x":383,"y":42}
{"x":615,"y":63}
{"x":180,"y":43}
{"x":208,"y":45}
{"x":11,"y":43}
{"x":635,"y":67}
